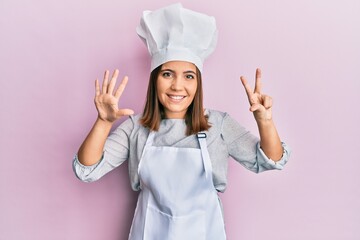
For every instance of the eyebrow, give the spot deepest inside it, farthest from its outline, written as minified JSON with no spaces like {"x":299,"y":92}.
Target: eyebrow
{"x":190,"y":71}
{"x":170,"y":70}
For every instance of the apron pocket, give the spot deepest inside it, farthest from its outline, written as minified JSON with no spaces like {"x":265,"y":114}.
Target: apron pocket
{"x":161,"y":226}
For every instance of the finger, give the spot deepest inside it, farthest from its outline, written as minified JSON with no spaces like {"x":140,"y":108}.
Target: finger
{"x":258,"y":81}
{"x":124,"y":112}
{"x":121,"y":87}
{"x":105,"y":82}
{"x":267,"y":101}
{"x":247,"y":87}
{"x":255,"y":107}
{"x":113,"y":81}
{"x":97,"y":88}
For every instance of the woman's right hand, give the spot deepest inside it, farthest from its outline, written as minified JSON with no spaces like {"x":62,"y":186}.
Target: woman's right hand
{"x":106,"y":99}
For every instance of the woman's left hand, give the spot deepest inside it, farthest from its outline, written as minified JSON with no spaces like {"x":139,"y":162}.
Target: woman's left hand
{"x":260,"y":104}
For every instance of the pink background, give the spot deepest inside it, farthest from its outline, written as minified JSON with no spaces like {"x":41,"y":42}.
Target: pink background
{"x":52,"y":51}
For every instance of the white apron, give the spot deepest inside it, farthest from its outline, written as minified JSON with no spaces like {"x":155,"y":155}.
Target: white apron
{"x":178,"y":200}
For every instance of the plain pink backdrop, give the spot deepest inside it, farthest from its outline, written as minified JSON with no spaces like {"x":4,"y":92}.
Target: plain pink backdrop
{"x":52,"y":51}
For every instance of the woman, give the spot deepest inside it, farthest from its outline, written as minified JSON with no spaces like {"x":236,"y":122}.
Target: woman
{"x":177,"y":151}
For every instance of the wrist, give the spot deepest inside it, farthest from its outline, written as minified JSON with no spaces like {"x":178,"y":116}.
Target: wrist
{"x":103,"y":124}
{"x":264,"y":122}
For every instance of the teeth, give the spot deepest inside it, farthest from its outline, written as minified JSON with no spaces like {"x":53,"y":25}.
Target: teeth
{"x":177,"y":97}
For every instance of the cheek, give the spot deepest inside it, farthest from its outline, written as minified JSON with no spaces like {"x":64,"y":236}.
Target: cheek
{"x":193,"y":88}
{"x":159,"y":87}
{"x":162,"y":85}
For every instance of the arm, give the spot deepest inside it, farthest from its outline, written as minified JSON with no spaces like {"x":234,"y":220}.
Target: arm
{"x":106,"y":102}
{"x":261,"y":105}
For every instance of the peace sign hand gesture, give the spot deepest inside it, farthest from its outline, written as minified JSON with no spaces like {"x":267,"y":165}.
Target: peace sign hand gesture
{"x":260,"y":104}
{"x":106,"y":100}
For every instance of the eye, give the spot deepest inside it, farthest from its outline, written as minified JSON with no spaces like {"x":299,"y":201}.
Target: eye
{"x":166,"y":74}
{"x":189,"y":76}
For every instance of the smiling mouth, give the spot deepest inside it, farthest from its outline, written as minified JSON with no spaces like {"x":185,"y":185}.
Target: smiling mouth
{"x":176,"y":97}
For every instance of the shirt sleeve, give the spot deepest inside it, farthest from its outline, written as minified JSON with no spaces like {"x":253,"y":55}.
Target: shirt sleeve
{"x":116,"y":152}
{"x":244,"y":147}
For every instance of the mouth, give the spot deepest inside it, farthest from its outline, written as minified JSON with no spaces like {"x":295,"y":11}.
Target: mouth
{"x":176,"y":97}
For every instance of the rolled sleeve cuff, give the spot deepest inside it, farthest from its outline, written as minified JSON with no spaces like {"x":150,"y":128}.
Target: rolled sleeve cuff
{"x":266,"y":163}
{"x":84,"y":172}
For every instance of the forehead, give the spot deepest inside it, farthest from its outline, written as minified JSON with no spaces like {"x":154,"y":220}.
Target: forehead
{"x":179,"y":66}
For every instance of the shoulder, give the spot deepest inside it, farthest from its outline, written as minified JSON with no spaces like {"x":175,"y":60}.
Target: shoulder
{"x":135,"y":119}
{"x":224,"y":123}
{"x":216,"y":120}
{"x":131,"y":124}
{"x":216,"y":117}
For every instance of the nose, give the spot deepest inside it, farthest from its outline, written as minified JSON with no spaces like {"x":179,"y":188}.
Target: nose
{"x":177,"y":83}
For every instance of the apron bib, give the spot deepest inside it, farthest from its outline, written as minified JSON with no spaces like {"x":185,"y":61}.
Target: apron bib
{"x":178,"y":200}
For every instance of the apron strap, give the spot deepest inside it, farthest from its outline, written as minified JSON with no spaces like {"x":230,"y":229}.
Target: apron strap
{"x":149,"y":142}
{"x":150,"y":139}
{"x":201,"y":136}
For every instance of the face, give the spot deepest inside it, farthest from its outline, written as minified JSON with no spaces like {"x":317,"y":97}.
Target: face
{"x":176,"y":87}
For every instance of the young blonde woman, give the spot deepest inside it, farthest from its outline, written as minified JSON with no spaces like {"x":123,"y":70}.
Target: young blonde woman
{"x":177,"y":150}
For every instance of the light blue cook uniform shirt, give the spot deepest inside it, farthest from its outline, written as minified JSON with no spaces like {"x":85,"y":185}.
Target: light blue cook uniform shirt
{"x":226,"y":138}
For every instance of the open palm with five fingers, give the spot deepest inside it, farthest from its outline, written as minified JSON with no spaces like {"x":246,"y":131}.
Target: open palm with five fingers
{"x":260,"y":104}
{"x":107,"y":99}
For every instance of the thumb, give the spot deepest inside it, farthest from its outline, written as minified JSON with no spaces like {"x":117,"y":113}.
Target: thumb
{"x":124,"y":112}
{"x":255,"y":107}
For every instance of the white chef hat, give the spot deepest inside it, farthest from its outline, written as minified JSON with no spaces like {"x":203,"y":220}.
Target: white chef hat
{"x":175,"y":33}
